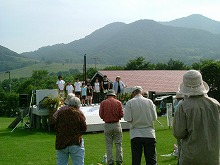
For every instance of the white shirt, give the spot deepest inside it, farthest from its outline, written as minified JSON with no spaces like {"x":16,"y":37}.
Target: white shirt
{"x":140,"y":112}
{"x":96,"y":87}
{"x":69,"y":89}
{"x":77,"y":86}
{"x":60,"y":84}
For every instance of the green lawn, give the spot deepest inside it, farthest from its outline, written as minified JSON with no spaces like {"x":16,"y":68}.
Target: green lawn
{"x":32,"y":147}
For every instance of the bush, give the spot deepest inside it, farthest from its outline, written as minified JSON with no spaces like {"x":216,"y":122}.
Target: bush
{"x":9,"y":104}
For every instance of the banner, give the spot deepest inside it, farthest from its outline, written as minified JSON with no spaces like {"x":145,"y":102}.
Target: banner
{"x":169,"y":107}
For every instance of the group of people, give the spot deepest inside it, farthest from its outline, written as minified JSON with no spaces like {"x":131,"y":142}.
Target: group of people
{"x":196,"y":126}
{"x":90,"y":93}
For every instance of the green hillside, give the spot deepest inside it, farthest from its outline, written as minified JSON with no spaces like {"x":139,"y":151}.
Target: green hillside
{"x":51,"y":68}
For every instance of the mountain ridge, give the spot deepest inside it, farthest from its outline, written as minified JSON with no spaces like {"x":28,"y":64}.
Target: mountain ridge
{"x":116,"y":43}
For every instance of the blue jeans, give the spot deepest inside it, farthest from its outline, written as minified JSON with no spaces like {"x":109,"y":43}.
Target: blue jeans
{"x":75,"y":152}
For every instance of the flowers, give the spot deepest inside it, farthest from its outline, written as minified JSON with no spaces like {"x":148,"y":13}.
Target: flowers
{"x":49,"y":102}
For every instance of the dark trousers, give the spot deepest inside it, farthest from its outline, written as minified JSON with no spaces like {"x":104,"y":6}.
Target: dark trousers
{"x":149,"y":146}
{"x":96,"y":97}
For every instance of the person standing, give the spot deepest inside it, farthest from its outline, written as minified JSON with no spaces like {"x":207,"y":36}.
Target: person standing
{"x":105,"y":86}
{"x":77,"y":88}
{"x":60,"y":84}
{"x":118,"y":86}
{"x":96,"y":91}
{"x":141,"y":113}
{"x":111,"y":111}
{"x":89,"y":94}
{"x":197,"y":122}
{"x":70,"y":124}
{"x":83,"y":94}
{"x":69,"y":88}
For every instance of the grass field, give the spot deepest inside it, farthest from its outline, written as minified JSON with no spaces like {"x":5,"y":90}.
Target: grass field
{"x":54,"y":67}
{"x":36,"y":147}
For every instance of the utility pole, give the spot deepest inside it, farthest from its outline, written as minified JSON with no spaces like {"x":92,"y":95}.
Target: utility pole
{"x":95,"y":58}
{"x":9,"y":74}
{"x":85,"y":68}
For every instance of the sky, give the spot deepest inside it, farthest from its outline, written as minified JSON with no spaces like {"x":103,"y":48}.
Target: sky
{"x":27,"y":25}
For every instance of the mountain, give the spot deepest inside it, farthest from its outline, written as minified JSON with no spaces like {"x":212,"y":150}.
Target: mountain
{"x":11,"y":60}
{"x":196,"y":21}
{"x":116,"y":43}
{"x":186,"y":39}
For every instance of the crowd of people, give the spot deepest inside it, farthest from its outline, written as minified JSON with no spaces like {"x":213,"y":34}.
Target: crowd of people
{"x":90,"y":93}
{"x":196,"y":124}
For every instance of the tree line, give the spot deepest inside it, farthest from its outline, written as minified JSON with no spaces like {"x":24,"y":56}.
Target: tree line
{"x":42,"y":79}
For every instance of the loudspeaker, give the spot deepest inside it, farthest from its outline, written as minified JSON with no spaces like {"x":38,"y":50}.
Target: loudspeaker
{"x":151,"y":95}
{"x":23,"y":100}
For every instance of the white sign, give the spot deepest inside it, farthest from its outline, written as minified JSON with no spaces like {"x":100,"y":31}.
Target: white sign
{"x":169,"y":107}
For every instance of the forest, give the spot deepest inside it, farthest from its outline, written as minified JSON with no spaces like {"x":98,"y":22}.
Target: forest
{"x":42,"y":79}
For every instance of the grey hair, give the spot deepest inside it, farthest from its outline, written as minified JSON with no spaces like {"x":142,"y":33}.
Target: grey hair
{"x":74,"y":102}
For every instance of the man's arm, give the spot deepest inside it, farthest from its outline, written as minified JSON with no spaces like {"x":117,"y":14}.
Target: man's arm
{"x":101,"y":111}
{"x":108,"y":85}
{"x":121,"y":112}
{"x":83,"y":122}
{"x":127,"y":112}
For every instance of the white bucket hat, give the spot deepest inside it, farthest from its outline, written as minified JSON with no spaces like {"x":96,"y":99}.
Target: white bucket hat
{"x":193,"y":84}
{"x":69,"y":96}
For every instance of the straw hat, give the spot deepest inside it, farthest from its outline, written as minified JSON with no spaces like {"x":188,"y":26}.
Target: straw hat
{"x":111,"y":92}
{"x":193,"y":84}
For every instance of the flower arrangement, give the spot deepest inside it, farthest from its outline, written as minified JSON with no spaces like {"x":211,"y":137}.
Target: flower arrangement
{"x":124,"y":97}
{"x":48,"y":102}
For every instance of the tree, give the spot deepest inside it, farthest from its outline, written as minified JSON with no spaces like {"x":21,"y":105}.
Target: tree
{"x":211,"y":75}
{"x":90,"y":72}
{"x":138,"y":63}
{"x":114,"y":68}
{"x":160,"y":66}
{"x":39,"y":74}
{"x":175,"y":65}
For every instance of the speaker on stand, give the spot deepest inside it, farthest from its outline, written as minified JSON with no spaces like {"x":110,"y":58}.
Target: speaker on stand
{"x":23,"y":110}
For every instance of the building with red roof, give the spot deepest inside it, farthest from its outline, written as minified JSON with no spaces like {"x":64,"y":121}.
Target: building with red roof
{"x":159,"y":81}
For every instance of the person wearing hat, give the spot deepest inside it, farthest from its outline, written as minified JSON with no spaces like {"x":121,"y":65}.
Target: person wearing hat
{"x":70,"y":124}
{"x":141,"y":113}
{"x":118,"y":86}
{"x":66,"y":106}
{"x":111,"y":111}
{"x":178,"y":99}
{"x":197,"y":122}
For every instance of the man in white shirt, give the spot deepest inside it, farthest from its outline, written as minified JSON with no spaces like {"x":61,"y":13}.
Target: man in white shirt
{"x":77,"y":88}
{"x":96,"y":91}
{"x":60,"y":84}
{"x":140,"y":112}
{"x":69,"y":88}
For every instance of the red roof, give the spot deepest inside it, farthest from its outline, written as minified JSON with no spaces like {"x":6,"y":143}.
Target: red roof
{"x":150,"y":80}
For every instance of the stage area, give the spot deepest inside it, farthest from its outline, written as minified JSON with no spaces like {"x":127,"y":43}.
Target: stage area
{"x":94,"y":122}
